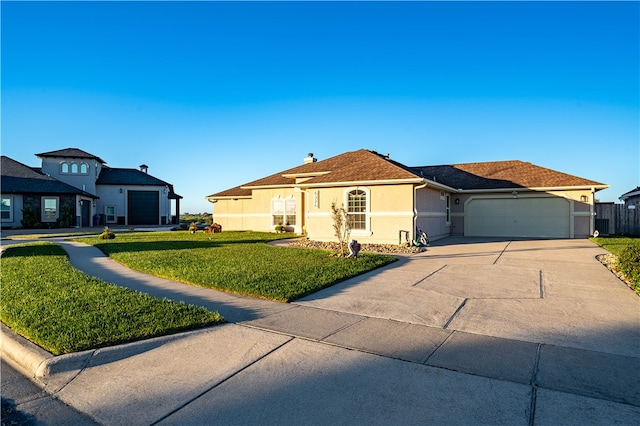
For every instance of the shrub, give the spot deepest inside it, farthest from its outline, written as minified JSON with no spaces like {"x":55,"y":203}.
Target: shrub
{"x":629,"y":264}
{"x":29,"y":219}
{"x":107,"y":234}
{"x":66,"y":218}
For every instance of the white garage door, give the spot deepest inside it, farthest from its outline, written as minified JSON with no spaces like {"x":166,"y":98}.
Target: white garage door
{"x":517,"y":217}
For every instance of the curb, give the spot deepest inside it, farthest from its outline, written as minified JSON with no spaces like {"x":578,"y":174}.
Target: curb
{"x":21,"y":354}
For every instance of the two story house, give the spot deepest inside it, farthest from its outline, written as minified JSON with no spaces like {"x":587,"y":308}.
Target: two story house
{"x":76,"y":188}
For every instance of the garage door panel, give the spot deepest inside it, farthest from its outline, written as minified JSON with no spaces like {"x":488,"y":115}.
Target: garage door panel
{"x":518,"y":217}
{"x":143,"y":207}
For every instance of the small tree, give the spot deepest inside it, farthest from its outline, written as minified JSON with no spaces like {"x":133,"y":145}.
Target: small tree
{"x":341,"y":226}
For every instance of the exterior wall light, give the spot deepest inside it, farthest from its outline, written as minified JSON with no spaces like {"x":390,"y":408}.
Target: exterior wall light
{"x":515,"y":194}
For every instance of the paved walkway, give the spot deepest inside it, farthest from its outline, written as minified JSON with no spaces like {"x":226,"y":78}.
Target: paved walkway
{"x":470,"y":332}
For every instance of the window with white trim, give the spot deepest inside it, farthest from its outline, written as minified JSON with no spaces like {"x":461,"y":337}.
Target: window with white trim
{"x":283,"y":211}
{"x":64,"y":168}
{"x":74,"y":168}
{"x":110,"y":214}
{"x":84,"y":168}
{"x":50,"y":209}
{"x":7,"y":209}
{"x":357,"y":209}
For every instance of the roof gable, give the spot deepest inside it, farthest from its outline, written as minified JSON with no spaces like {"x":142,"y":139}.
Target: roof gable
{"x":354,"y":166}
{"x":18,"y":178}
{"x":70,"y":153}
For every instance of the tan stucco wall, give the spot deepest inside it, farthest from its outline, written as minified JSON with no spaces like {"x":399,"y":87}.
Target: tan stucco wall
{"x":431,"y":205}
{"x":234,"y":215}
{"x":391,"y":210}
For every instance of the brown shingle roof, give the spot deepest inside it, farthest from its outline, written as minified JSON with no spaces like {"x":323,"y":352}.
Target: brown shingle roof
{"x":354,"y":166}
{"x":231,"y":193}
{"x":502,"y":174}
{"x":367,"y":166}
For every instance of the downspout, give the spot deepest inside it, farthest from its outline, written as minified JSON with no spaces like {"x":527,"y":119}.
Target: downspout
{"x":592,"y":213}
{"x":415,"y":207}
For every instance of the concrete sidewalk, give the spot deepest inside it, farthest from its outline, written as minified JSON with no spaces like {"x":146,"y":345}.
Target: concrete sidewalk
{"x":471,"y":332}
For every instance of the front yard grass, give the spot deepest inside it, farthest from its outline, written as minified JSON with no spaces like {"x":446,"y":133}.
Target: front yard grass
{"x":237,"y":262}
{"x":63,"y":310}
{"x":627,"y":252}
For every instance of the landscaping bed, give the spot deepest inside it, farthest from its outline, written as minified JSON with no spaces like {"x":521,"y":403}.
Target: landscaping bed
{"x":372,"y":248}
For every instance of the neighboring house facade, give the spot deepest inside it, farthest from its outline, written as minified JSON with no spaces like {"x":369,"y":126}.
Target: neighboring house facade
{"x":387,"y":200}
{"x":72,"y":180}
{"x":631,"y":198}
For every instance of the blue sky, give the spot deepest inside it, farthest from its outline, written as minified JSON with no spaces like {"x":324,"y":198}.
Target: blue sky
{"x":211,"y":95}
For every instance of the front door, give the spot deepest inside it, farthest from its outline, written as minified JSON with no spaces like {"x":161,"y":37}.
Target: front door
{"x":85,"y":212}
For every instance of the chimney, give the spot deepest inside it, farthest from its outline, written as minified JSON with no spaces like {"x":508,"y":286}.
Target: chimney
{"x":144,"y":168}
{"x":310,"y":158}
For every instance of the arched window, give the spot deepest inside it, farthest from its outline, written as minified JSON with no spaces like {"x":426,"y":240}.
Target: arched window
{"x":74,"y":168}
{"x":357,"y":209}
{"x":64,"y":168}
{"x":84,"y":168}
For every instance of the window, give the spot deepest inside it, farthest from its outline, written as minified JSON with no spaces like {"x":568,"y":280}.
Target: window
{"x":110,"y":213}
{"x":50,"y":209}
{"x":357,"y":209}
{"x":64,"y":168}
{"x":290,"y":210}
{"x":84,"y":168}
{"x":277,"y":211}
{"x":448,"y":209}
{"x":283,"y":211}
{"x":74,"y":168}
{"x":7,"y":211}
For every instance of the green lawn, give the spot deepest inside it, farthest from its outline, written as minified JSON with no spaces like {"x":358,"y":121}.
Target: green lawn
{"x":616,"y":244}
{"x":236,"y":262}
{"x":627,"y":250}
{"x":62,"y":310}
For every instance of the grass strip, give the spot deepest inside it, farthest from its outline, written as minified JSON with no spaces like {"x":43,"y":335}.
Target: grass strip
{"x":237,"y":262}
{"x":63,"y":310}
{"x":627,"y":252}
{"x":615,"y":245}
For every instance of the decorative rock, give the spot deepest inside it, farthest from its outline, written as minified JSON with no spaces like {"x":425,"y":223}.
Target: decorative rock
{"x":375,"y":248}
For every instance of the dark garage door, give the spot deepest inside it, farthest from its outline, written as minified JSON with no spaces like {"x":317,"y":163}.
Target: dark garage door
{"x":143,"y":207}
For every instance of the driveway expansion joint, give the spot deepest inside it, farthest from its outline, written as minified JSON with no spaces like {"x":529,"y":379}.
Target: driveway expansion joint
{"x":464,"y":302}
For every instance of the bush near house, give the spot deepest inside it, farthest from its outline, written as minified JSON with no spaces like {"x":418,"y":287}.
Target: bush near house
{"x":629,"y":264}
{"x":62,"y":310}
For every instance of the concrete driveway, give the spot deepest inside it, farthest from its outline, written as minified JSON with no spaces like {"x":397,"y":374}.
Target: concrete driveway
{"x":469,"y":332}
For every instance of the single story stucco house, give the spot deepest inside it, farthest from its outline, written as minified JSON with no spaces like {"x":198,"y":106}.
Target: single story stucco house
{"x":72,"y":181}
{"x":385,"y":200}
